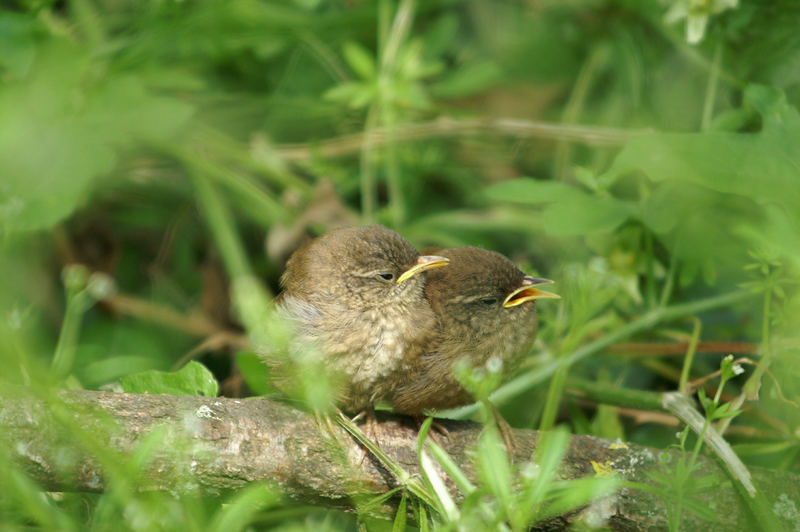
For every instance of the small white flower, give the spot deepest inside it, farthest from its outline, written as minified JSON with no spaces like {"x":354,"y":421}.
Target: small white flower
{"x":738,"y":369}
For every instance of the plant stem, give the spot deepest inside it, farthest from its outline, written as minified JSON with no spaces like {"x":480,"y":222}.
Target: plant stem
{"x":251,"y":298}
{"x":753,"y":384}
{"x":651,"y":318}
{"x":697,"y":446}
{"x":397,"y":35}
{"x":711,"y":88}
{"x":554,"y":394}
{"x":690,"y":351}
{"x":666,"y":291}
{"x":574,"y":107}
{"x":681,"y":406}
{"x":396,"y":201}
{"x":612,"y":395}
{"x":367,"y":166}
{"x":222,"y":227}
{"x":410,"y":482}
{"x":64,"y":356}
{"x":268,"y":207}
{"x":751,"y":387}
{"x":650,"y":280}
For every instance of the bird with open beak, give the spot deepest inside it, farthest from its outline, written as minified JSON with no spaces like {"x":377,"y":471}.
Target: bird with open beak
{"x":357,"y":296}
{"x":486,"y":310}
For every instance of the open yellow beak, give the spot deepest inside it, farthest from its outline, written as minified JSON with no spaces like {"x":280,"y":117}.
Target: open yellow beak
{"x":528,"y":292}
{"x":424,"y":262}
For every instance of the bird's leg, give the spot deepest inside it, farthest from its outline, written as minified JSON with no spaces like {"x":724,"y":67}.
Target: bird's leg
{"x":326,"y":425}
{"x":505,"y":430}
{"x":372,"y":430}
{"x":372,"y":427}
{"x":436,"y":429}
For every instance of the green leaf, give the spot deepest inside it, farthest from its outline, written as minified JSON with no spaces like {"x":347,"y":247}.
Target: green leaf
{"x":577,"y":493}
{"x":695,"y":223}
{"x":756,"y":168}
{"x":725,"y":414}
{"x":111,"y":368}
{"x":470,"y":79}
{"x":47,"y":158}
{"x":700,"y":509}
{"x":451,"y":468}
{"x":587,"y":178}
{"x":124,"y":110}
{"x":567,"y":210}
{"x":704,"y":400}
{"x":192,"y":379}
{"x":243,"y":507}
{"x":531,"y":191}
{"x":360,"y":60}
{"x":354,"y":93}
{"x":494,"y":466}
{"x":423,"y":517}
{"x":62,"y":126}
{"x":550,"y":450}
{"x":254,"y":372}
{"x":399,"y":524}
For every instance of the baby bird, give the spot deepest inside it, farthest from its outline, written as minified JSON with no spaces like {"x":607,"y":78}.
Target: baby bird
{"x":485,"y":308}
{"x":357,"y":295}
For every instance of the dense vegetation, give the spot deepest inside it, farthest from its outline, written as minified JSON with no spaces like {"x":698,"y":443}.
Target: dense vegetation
{"x":159,"y":161}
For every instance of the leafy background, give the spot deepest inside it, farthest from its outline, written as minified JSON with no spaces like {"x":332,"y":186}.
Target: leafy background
{"x":644,"y":154}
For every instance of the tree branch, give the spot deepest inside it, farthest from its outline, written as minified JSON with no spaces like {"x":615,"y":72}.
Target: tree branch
{"x":215,"y":444}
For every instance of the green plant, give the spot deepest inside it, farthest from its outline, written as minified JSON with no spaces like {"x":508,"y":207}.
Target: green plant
{"x":679,"y":481}
{"x":172,"y":154}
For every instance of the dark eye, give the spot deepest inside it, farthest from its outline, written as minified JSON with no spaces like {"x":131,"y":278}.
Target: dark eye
{"x":386,"y":276}
{"x":488,"y":301}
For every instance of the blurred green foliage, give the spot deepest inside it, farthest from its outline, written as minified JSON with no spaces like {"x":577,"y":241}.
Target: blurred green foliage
{"x":181,"y":150}
{"x":191,"y":379}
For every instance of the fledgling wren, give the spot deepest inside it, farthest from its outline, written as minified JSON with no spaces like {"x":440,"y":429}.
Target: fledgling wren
{"x":485,"y":308}
{"x":357,"y":295}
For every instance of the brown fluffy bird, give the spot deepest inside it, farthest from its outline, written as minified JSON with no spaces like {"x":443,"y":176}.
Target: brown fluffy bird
{"x":357,"y":295}
{"x":485,"y":308}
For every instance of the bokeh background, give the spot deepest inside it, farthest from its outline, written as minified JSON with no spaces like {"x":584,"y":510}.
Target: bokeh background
{"x":644,"y":154}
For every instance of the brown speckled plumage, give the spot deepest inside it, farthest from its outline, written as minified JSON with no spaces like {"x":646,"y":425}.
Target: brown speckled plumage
{"x":367,"y":327}
{"x":467,"y":298}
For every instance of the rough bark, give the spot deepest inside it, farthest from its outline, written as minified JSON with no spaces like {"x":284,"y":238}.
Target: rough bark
{"x":216,"y":444}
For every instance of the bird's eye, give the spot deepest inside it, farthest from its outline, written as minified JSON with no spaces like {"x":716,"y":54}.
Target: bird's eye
{"x":489,"y":301}
{"x":386,"y":276}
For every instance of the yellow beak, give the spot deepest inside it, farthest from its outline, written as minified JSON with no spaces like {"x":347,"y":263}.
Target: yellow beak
{"x":424,"y":262}
{"x":527,"y":292}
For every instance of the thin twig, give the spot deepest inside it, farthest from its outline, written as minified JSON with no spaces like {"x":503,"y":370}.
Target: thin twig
{"x":444,"y":126}
{"x":695,"y":384}
{"x":679,"y":348}
{"x":193,"y":323}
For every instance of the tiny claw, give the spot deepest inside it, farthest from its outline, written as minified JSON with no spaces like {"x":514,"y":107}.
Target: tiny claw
{"x":505,"y":431}
{"x":436,"y":430}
